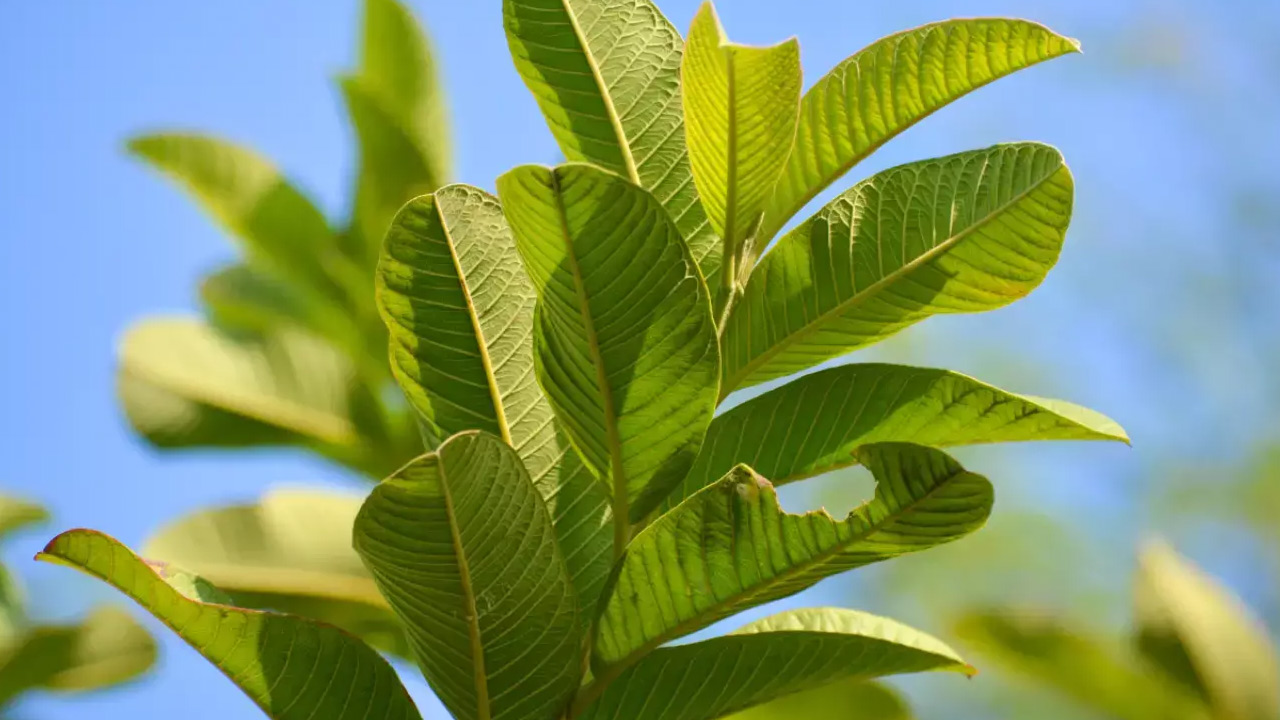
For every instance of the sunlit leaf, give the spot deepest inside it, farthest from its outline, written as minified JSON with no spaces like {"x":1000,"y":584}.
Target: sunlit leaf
{"x":846,"y":700}
{"x":461,"y":546}
{"x":964,"y":233}
{"x":811,"y":425}
{"x":17,"y":514}
{"x":731,"y":546}
{"x":891,"y":85}
{"x":783,"y":654}
{"x":291,"y":552}
{"x":624,"y":342}
{"x":294,"y":669}
{"x":606,"y":74}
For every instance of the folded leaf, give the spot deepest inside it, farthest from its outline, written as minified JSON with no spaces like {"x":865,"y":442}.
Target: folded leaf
{"x":459,"y":308}
{"x":774,"y":657}
{"x":278,"y":226}
{"x":606,"y":74}
{"x":291,"y":552}
{"x":1228,"y":649}
{"x":731,"y":546}
{"x":294,"y":669}
{"x":846,"y":700}
{"x":184,"y":384}
{"x":891,"y":85}
{"x":463,"y":549}
{"x":108,"y":648}
{"x":1075,"y":664}
{"x":811,"y":425}
{"x":964,"y":233}
{"x":740,"y":106}
{"x":625,"y":346}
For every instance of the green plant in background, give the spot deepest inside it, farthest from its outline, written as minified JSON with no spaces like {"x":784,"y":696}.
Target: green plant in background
{"x":568,"y":350}
{"x":1196,"y":652}
{"x":107,"y":648}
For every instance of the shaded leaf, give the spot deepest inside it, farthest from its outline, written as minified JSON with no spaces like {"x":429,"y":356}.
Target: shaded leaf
{"x":294,"y":669}
{"x":811,"y":425}
{"x":783,"y":654}
{"x":1075,"y":664}
{"x":731,"y":546}
{"x":869,"y":98}
{"x":606,"y":74}
{"x":1233,"y":659}
{"x":291,"y":552}
{"x":964,"y":233}
{"x":846,"y":700}
{"x":463,"y":549}
{"x":459,"y":308}
{"x":108,"y":648}
{"x":624,"y":343}
{"x":740,"y":106}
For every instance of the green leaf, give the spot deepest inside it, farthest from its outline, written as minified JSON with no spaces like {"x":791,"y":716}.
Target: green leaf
{"x":294,"y":669}
{"x":1072,"y":662}
{"x":964,"y":233}
{"x":846,"y":700}
{"x":459,"y":308}
{"x":740,"y":106}
{"x":184,"y":384}
{"x":624,"y":343}
{"x":108,"y":648}
{"x":731,"y":546}
{"x":291,"y":552}
{"x":1228,"y":648}
{"x":811,"y":425}
{"x":606,"y":74}
{"x":17,"y":514}
{"x":774,"y":657}
{"x":397,"y":67}
{"x":891,"y":85}
{"x":463,"y":549}
{"x":278,"y":226}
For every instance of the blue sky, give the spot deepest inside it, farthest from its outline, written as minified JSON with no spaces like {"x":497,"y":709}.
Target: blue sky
{"x":1162,"y":312}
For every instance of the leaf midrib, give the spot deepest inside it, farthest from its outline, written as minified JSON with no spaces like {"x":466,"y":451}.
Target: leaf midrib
{"x":495,"y":394}
{"x":479,"y":676}
{"x":615,"y":120}
{"x":872,"y":290}
{"x":699,"y":619}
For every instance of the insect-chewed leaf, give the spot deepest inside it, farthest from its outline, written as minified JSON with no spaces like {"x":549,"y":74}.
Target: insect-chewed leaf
{"x":624,"y":341}
{"x":462,"y":547}
{"x":812,"y":425}
{"x":731,"y":546}
{"x":777,"y":656}
{"x":606,"y":74}
{"x":294,"y":669}
{"x":459,"y":308}
{"x":891,"y":85}
{"x":740,"y":107}
{"x":965,"y":233}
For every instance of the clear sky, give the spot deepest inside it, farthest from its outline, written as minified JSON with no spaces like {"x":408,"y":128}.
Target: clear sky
{"x":1162,"y":312}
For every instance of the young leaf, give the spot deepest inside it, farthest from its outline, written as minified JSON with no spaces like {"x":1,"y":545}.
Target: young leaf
{"x":463,"y":549}
{"x":811,"y":425}
{"x":459,"y":308}
{"x":731,"y":546}
{"x":624,"y":341}
{"x":279,"y":227}
{"x":774,"y":657}
{"x":291,"y":552}
{"x":108,"y":648}
{"x":740,"y":106}
{"x":294,"y":669}
{"x":964,"y":233}
{"x":184,"y":384}
{"x":891,"y":85}
{"x":1227,"y":647}
{"x":1077,"y":665}
{"x":606,"y":74}
{"x":847,"y":700}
